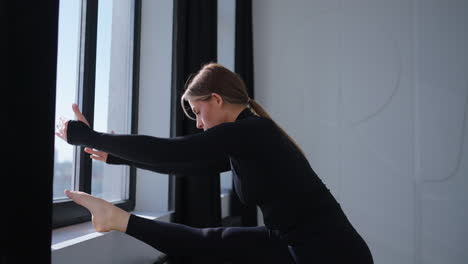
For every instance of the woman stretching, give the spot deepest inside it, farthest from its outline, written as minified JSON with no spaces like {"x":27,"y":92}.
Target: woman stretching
{"x":303,"y":221}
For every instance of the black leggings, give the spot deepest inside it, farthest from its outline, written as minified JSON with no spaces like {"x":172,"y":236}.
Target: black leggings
{"x":246,"y":244}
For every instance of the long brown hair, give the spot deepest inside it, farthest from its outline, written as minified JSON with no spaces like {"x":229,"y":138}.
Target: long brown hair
{"x":215,"y":78}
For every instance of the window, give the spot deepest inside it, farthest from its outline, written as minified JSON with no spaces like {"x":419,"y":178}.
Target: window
{"x":95,"y":69}
{"x":226,"y":42}
{"x":67,"y":76}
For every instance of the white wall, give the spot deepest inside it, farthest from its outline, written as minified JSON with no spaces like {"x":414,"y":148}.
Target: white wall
{"x":376,"y":93}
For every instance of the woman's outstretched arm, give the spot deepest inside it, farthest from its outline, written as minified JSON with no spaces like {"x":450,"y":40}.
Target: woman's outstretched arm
{"x":202,"y":152}
{"x":205,"y":151}
{"x":220,"y":165}
{"x":216,"y":166}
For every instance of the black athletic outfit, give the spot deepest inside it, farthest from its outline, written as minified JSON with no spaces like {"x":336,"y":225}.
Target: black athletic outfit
{"x":303,"y":221}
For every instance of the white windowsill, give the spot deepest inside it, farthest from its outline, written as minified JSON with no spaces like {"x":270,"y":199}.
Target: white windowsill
{"x":74,"y":234}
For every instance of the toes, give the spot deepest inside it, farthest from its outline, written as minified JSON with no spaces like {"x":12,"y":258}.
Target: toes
{"x":77,"y":197}
{"x":71,"y":194}
{"x":68,"y":193}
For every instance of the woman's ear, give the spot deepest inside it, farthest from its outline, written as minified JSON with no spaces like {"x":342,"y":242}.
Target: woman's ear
{"x":218,"y":99}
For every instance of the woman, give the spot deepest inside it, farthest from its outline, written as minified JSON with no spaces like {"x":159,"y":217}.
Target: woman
{"x":303,"y":221}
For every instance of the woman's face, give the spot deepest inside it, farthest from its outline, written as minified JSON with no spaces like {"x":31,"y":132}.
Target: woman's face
{"x":208,"y":113}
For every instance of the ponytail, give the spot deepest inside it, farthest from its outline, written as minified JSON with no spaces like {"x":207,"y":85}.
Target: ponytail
{"x":260,"y":111}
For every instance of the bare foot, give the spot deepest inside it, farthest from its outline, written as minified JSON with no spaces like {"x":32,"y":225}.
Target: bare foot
{"x":105,"y":215}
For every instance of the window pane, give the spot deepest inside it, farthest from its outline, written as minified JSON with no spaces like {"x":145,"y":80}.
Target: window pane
{"x":226,"y":41}
{"x":67,"y":80}
{"x":113,"y":91}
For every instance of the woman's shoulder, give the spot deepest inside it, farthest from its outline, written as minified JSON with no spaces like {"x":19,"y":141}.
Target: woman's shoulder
{"x":256,"y":121}
{"x":249,"y":123}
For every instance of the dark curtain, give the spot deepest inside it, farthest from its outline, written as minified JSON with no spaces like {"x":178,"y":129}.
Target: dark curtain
{"x":29,"y":60}
{"x":197,"y":197}
{"x":244,"y":67}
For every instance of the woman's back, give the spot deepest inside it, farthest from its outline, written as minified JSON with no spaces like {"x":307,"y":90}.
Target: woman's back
{"x":271,"y":172}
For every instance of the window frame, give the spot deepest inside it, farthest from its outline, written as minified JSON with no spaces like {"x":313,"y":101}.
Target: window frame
{"x":65,"y":211}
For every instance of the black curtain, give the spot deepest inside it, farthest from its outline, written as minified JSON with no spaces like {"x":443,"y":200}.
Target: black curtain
{"x":244,"y":67}
{"x":29,"y":60}
{"x":197,"y":197}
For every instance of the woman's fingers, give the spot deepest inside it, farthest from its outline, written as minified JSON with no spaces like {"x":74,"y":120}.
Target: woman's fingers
{"x":78,"y":114}
{"x":62,"y":124}
{"x":97,"y":158}
{"x":62,"y":129}
{"x":60,"y":135}
{"x":95,"y":154}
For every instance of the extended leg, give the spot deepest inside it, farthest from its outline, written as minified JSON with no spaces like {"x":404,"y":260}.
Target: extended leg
{"x":243,"y":244}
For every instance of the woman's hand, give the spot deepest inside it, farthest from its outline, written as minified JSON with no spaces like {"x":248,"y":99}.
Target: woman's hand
{"x":62,"y":126}
{"x":105,"y":215}
{"x":96,"y":154}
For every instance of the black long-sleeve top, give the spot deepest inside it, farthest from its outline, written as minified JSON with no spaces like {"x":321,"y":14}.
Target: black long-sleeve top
{"x":268,"y":169}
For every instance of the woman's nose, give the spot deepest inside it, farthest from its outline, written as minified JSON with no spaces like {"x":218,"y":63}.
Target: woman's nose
{"x":199,"y":124}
